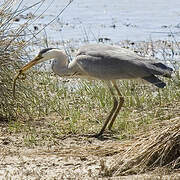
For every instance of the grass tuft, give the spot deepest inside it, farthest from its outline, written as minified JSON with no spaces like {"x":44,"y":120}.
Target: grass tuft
{"x":159,"y":153}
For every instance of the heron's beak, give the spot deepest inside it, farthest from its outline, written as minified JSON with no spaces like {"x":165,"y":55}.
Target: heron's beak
{"x":30,"y":64}
{"x":25,"y":68}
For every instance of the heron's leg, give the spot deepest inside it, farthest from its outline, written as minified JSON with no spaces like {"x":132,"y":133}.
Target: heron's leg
{"x":115,"y":105}
{"x":121,"y":101}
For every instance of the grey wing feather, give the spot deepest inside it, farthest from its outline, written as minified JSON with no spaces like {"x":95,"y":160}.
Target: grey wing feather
{"x":108,"y":69}
{"x":105,"y":50}
{"x":109,"y":62}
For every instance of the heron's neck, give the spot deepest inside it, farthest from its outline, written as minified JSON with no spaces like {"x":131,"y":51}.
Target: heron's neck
{"x":61,"y":59}
{"x":60,"y":65}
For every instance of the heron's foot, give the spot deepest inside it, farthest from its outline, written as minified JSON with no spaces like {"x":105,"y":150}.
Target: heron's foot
{"x":104,"y":134}
{"x":92,"y":135}
{"x":99,"y":136}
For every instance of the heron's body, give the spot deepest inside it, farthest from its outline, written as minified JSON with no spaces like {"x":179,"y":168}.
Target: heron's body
{"x":107,"y":62}
{"x":104,"y":62}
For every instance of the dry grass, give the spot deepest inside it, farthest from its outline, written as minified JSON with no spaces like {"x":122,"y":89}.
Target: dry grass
{"x":12,"y":51}
{"x":156,"y":151}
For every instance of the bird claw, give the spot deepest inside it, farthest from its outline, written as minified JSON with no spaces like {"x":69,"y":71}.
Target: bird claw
{"x":91,"y":135}
{"x":95,"y":135}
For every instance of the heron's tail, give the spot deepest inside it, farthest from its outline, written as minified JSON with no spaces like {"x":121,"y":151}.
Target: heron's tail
{"x":154,"y":80}
{"x":162,"y":69}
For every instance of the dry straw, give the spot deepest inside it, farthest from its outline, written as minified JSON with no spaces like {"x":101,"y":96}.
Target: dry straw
{"x":159,"y":150}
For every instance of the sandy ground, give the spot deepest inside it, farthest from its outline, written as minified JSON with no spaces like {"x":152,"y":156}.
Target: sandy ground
{"x":72,"y":158}
{"x":75,"y":157}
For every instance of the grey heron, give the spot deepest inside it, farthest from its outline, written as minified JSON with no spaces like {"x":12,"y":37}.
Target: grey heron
{"x":104,"y":62}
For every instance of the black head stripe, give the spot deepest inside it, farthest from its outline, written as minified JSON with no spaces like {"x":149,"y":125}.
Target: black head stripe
{"x":45,"y":50}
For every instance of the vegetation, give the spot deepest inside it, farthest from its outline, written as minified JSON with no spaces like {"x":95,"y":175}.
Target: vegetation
{"x":48,"y":108}
{"x":81,"y":106}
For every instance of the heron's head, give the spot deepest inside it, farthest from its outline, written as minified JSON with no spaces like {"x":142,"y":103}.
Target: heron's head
{"x":43,"y":55}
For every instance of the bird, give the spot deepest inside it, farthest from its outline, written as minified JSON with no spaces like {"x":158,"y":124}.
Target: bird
{"x":108,"y":63}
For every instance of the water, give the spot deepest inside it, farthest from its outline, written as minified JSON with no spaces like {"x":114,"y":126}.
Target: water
{"x":116,"y":20}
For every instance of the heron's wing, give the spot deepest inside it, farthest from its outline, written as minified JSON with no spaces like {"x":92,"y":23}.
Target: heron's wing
{"x":109,"y":62}
{"x":109,"y":67}
{"x":108,"y":50}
